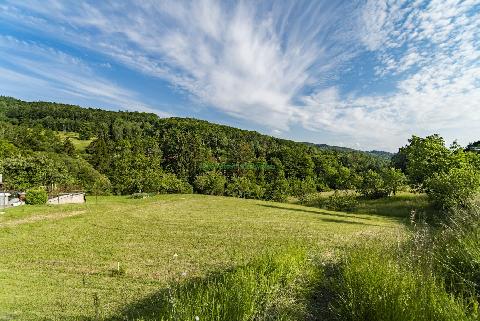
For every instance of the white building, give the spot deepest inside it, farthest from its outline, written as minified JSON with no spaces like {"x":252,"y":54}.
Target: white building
{"x":4,"y":199}
{"x":72,"y":198}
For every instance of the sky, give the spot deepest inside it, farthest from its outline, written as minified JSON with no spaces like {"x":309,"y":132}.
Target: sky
{"x":361,"y":74}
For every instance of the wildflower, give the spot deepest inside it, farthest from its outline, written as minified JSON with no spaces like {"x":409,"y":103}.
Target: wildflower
{"x":175,"y":255}
{"x":197,"y":318}
{"x":184,"y":273}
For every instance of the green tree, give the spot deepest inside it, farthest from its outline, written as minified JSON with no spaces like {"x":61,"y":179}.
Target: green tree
{"x":456,"y":188}
{"x":393,"y":179}
{"x":372,"y":185}
{"x":211,"y":183}
{"x":243,"y":187}
{"x":68,"y":147}
{"x":426,"y":157}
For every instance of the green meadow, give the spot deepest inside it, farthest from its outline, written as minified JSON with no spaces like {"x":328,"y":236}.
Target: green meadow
{"x":172,"y":257}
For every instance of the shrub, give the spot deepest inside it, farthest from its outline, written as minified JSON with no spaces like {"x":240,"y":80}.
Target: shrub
{"x":393,"y":180}
{"x":382,"y":183}
{"x":341,"y":201}
{"x":169,"y":183}
{"x":211,"y":183}
{"x":245,"y":188}
{"x":278,"y":190}
{"x":372,"y":186}
{"x":456,"y":188}
{"x":298,"y":187}
{"x":36,"y":196}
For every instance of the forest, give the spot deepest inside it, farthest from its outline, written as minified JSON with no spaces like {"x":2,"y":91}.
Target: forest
{"x":138,"y":152}
{"x":133,"y":152}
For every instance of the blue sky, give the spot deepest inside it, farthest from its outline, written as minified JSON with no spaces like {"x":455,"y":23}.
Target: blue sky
{"x":362,"y":74}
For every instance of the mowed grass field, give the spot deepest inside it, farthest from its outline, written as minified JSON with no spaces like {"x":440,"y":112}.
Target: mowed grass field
{"x":94,"y":260}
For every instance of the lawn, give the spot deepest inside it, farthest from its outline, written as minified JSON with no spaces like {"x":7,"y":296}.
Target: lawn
{"x":94,"y":260}
{"x":80,"y":145}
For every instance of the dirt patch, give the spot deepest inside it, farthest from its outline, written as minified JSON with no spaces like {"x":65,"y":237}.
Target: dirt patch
{"x":50,"y":217}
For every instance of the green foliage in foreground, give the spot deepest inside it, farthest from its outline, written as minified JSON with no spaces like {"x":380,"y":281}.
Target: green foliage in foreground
{"x":433,"y":276}
{"x":266,"y":289}
{"x":457,"y":251}
{"x":456,"y":188}
{"x":374,"y":285}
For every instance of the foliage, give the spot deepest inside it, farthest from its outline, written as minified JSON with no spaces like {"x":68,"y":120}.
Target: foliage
{"x":210,"y":183}
{"x":457,"y":251}
{"x":455,"y":188}
{"x":298,"y":187}
{"x":277,"y":190}
{"x":380,"y":183}
{"x":375,"y":285}
{"x":36,"y":196}
{"x":372,"y":185}
{"x":393,"y":180}
{"x":250,"y":292}
{"x":244,"y":187}
{"x":135,"y":150}
{"x":341,"y":201}
{"x":68,"y":147}
{"x":170,"y":184}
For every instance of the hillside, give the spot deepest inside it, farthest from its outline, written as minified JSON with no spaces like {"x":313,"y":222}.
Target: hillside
{"x":132,"y":152}
{"x":378,"y":153}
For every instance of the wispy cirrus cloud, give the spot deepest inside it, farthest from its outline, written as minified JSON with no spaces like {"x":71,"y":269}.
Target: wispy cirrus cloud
{"x":44,"y":70}
{"x":283,"y":64}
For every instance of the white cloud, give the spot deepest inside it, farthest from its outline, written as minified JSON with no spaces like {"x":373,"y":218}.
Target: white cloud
{"x":278,"y":64}
{"x":44,"y":70}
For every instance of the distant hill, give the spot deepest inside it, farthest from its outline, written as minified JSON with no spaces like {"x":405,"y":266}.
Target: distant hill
{"x":377,"y":153}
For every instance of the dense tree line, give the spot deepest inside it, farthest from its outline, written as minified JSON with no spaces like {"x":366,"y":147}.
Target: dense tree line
{"x":135,"y":152}
{"x":140,"y":152}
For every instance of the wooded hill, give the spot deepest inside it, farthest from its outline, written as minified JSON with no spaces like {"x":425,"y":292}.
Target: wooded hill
{"x":134,"y":152}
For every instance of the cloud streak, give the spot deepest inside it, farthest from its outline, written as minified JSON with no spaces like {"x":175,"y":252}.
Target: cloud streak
{"x":281,"y":64}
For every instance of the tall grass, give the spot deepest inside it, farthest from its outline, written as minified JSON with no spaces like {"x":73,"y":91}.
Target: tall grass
{"x":375,"y":285}
{"x":457,"y":251}
{"x":435,"y":275}
{"x":273,"y":288}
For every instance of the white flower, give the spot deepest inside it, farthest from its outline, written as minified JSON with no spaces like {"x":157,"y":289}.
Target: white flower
{"x":197,"y":318}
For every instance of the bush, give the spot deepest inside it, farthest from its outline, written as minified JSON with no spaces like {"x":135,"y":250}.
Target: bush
{"x":372,"y":186}
{"x":169,"y":183}
{"x":36,"y":196}
{"x":382,"y":183}
{"x":338,"y":201}
{"x":211,"y":183}
{"x":244,"y":188}
{"x":299,"y":188}
{"x":341,"y":201}
{"x":456,"y":188}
